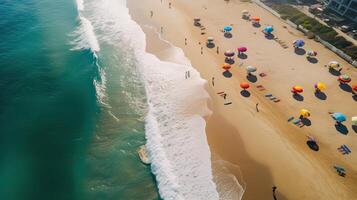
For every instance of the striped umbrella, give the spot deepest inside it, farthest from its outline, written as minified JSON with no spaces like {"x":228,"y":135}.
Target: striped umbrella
{"x":311,"y":53}
{"x":344,"y":78}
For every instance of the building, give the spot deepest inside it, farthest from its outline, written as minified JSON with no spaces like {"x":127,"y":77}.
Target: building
{"x":346,"y":8}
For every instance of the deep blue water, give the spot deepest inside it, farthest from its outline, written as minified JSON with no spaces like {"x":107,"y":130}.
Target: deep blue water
{"x":56,"y":140}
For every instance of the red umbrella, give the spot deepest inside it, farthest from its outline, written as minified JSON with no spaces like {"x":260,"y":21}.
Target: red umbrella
{"x":354,"y":87}
{"x":242,"y":49}
{"x":226,"y":66}
{"x":297,"y":89}
{"x":244,"y":85}
{"x":344,"y":79}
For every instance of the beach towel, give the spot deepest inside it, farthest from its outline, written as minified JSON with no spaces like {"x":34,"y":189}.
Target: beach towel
{"x":277,"y":100}
{"x":268,"y":95}
{"x":290,"y":118}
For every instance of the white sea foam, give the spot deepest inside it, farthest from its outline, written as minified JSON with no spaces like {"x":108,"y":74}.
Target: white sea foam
{"x":175,"y":128}
{"x":84,"y":36}
{"x":80,"y":5}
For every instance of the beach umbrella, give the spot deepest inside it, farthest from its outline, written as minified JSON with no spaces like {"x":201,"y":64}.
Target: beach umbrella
{"x":305,"y":113}
{"x":320,"y":86}
{"x":242,"y":49}
{"x":255,"y":19}
{"x":210,"y":39}
{"x":297,"y":89}
{"x":344,"y":78}
{"x":226,"y":66}
{"x":354,"y":121}
{"x":196,"y":19}
{"x":229,"y":53}
{"x":227,"y":28}
{"x":251,"y":69}
{"x":299,"y":43}
{"x":354,"y":87}
{"x":339,"y":117}
{"x":268,"y":29}
{"x":244,"y":85}
{"x":245,"y":12}
{"x":333,"y":64}
{"x":311,"y":53}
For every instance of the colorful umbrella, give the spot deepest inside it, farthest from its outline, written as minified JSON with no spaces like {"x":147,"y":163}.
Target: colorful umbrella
{"x":227,"y":28}
{"x":339,"y":117}
{"x":320,"y":86}
{"x":354,"y":121}
{"x":242,"y":49}
{"x":354,"y":87}
{"x":344,"y":78}
{"x":251,"y":69}
{"x":297,"y":89}
{"x":311,"y":53}
{"x":256,"y":19}
{"x":244,"y":85}
{"x":229,"y":53}
{"x":305,"y":113}
{"x":333,"y":64}
{"x":268,"y":29}
{"x":226,"y":66}
{"x":299,"y":43}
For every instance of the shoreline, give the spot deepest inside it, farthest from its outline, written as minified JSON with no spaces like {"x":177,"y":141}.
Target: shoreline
{"x":234,"y":142}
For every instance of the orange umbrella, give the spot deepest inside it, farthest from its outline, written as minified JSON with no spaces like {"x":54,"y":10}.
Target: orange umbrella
{"x":297,"y":89}
{"x":255,"y":19}
{"x":354,"y":87}
{"x":244,"y":85}
{"x":226,"y":66}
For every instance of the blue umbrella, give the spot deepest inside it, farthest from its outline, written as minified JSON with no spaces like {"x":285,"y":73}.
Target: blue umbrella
{"x":339,"y":117}
{"x":299,"y":43}
{"x":268,"y":29}
{"x":227,"y":28}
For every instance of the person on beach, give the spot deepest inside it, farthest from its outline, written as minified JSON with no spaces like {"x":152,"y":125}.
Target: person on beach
{"x":256,"y":107}
{"x":213,"y":81}
{"x":185,"y":41}
{"x":161,"y":29}
{"x":217,"y":49}
{"x":224,"y":96}
{"x":201,"y":50}
{"x":151,"y":13}
{"x":170,"y":5}
{"x":188,"y":74}
{"x":274,"y":195}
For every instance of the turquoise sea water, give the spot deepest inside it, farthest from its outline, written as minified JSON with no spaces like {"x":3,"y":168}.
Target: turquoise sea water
{"x":70,"y":120}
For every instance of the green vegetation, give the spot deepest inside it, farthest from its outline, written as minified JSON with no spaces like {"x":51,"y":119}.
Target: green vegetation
{"x":324,"y":32}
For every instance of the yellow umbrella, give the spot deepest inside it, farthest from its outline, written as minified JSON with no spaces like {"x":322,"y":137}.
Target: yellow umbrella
{"x":320,"y":86}
{"x":354,"y":121}
{"x":334,"y":64}
{"x":304,"y":113}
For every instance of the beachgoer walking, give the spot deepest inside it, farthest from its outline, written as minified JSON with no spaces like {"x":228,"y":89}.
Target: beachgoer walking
{"x":151,"y":13}
{"x":217,"y":49}
{"x":274,"y":189}
{"x":224,"y":96}
{"x":161,"y":29}
{"x":170,"y":5}
{"x":256,"y":107}
{"x":201,"y":50}
{"x":188,"y":74}
{"x":213,"y":81}
{"x":185,"y":41}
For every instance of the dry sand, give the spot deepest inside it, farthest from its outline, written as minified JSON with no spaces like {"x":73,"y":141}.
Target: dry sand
{"x":269,"y":150}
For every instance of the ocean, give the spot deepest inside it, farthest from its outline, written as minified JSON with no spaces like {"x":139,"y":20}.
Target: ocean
{"x":79,"y":95}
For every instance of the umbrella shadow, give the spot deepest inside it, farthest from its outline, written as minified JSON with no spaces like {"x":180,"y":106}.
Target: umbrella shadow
{"x":341,"y":128}
{"x":210,"y":45}
{"x":345,"y":87}
{"x":312,"y":60}
{"x":252,"y":78}
{"x":245,"y":17}
{"x":299,"y":51}
{"x":321,"y":95}
{"x":245,"y":93}
{"x":242,"y":56}
{"x":228,"y":35}
{"x":269,"y":36}
{"x":256,"y":25}
{"x":354,"y":128}
{"x":354,"y":97}
{"x":334,"y":72}
{"x":229,"y":61}
{"x":313,"y":145}
{"x":306,"y":121}
{"x":227,"y":74}
{"x":298,"y":97}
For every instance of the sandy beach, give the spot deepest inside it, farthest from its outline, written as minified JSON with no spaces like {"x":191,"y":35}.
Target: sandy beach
{"x":268,"y":149}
